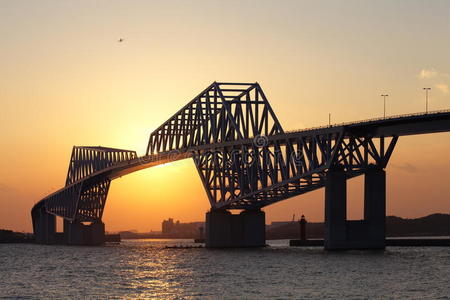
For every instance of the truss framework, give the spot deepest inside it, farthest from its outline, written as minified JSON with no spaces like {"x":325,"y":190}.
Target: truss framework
{"x":251,"y":176}
{"x":84,"y":200}
{"x":222,"y":112}
{"x":87,"y":160}
{"x":244,"y":158}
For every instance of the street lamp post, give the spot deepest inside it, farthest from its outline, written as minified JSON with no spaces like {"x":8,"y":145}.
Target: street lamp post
{"x":426,"y":99}
{"x":384,"y":104}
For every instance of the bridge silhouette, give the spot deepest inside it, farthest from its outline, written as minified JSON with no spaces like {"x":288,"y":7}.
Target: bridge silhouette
{"x":246,"y":161}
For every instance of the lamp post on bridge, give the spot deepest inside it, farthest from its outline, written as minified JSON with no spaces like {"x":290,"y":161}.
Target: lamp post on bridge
{"x":426,"y":98}
{"x":384,"y":104}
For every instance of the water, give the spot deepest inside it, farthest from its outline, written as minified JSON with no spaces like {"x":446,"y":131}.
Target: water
{"x":145,"y":269}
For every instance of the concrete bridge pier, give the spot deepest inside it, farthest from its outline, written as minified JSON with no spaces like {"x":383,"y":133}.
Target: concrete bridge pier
{"x":368,"y":233}
{"x":45,"y":227}
{"x":375,"y":205}
{"x":225,"y":230}
{"x":335,"y":210}
{"x":77,"y":233}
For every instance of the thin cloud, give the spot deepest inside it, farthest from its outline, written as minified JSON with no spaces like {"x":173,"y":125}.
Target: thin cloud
{"x":443,"y":88}
{"x":407,"y":167}
{"x":427,"y":73}
{"x":4,"y":188}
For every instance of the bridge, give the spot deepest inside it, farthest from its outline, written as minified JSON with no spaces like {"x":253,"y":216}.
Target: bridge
{"x":246,"y":161}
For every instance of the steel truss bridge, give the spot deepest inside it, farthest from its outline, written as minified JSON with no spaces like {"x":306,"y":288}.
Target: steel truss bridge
{"x":244,"y":157}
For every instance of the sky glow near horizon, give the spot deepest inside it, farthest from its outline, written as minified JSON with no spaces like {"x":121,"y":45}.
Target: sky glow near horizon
{"x":65,"y":80}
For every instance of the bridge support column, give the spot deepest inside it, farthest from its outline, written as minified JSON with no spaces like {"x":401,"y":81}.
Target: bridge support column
{"x":77,"y":233}
{"x":335,"y":209}
{"x":224,"y":230}
{"x":46,"y":228}
{"x":361,"y":234}
{"x":375,"y":206}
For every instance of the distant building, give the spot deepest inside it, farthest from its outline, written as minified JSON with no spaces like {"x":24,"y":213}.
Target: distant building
{"x":167,"y":226}
{"x":176,"y":229}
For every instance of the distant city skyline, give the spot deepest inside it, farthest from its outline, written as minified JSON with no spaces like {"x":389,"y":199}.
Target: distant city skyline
{"x":108,"y":73}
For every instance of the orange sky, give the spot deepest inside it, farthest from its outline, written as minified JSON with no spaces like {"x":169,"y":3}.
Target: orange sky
{"x":65,"y":80}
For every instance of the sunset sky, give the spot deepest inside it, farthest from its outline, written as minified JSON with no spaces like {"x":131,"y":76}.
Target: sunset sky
{"x":66,"y":80}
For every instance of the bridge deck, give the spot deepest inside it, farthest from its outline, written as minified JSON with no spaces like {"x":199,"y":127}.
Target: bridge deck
{"x":401,"y":125}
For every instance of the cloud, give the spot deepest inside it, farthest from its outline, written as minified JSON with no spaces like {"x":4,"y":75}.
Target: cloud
{"x":427,"y":73}
{"x":443,"y":88}
{"x":408,"y":168}
{"x":439,"y":79}
{"x":6,"y":188}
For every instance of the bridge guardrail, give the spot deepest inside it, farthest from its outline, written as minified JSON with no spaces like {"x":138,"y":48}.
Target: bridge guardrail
{"x":371,"y":120}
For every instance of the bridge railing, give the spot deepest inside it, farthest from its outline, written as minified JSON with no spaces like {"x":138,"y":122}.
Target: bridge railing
{"x":393,"y":117}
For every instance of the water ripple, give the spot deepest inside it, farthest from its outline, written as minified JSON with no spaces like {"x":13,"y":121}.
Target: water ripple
{"x":145,"y":269}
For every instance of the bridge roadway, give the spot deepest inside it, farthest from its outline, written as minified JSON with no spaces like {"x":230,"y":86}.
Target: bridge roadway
{"x":395,"y":126}
{"x":246,"y":161}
